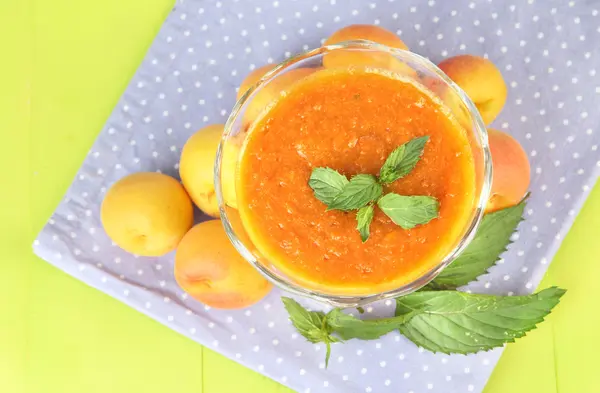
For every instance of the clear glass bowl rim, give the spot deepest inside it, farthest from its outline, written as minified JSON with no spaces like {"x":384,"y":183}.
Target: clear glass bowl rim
{"x":358,"y":300}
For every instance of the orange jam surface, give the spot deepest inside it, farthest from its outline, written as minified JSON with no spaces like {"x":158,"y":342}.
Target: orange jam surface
{"x":351,"y":120}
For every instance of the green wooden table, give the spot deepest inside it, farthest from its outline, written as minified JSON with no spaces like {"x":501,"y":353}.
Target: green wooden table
{"x":64,"y":65}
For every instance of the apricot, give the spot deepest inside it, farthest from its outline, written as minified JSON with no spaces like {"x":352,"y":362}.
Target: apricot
{"x":272,"y":91}
{"x":512,"y":172}
{"x":480,"y":80}
{"x":252,"y":78}
{"x":344,"y":58}
{"x":196,"y":168}
{"x":209,"y":269}
{"x":147,"y":213}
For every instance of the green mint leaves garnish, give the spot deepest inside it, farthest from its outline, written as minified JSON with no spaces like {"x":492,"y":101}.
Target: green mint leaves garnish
{"x":439,"y":321}
{"x":334,"y":190}
{"x":409,"y":211}
{"x":359,"y":191}
{"x":402,"y":160}
{"x":327,"y":184}
{"x":492,"y":238}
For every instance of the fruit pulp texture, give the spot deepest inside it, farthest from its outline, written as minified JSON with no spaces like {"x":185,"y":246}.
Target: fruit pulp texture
{"x":351,"y":120}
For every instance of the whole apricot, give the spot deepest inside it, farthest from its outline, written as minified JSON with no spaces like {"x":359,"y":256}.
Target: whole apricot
{"x":147,"y":213}
{"x":209,"y":269}
{"x":511,"y":169}
{"x":480,"y":80}
{"x":347,"y":57}
{"x":196,"y":168}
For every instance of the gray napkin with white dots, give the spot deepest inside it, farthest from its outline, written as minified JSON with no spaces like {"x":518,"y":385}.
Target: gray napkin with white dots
{"x":548,"y":53}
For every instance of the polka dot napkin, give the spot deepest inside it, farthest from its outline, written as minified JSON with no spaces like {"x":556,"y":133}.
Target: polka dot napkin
{"x":548,"y":53}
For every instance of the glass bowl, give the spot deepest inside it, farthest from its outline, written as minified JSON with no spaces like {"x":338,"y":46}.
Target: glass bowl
{"x":408,"y":65}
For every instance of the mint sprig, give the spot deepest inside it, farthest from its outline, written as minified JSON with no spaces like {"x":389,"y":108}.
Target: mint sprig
{"x":334,"y":190}
{"x":440,"y":321}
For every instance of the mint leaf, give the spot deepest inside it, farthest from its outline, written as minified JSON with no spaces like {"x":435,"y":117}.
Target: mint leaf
{"x":364,"y":216}
{"x":348,"y":327}
{"x":326,"y":184}
{"x":402,"y":160}
{"x":491,"y":240}
{"x":361,"y":190}
{"x":409,"y":211}
{"x":310,"y":324}
{"x":457,"y":322}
